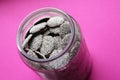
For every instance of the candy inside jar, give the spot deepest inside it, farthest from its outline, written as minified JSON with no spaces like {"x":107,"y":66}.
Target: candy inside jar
{"x":52,"y":45}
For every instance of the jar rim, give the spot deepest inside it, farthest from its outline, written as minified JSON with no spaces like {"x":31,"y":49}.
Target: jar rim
{"x":29,"y":16}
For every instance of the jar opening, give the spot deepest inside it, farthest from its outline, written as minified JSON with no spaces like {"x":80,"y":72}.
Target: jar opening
{"x":30,"y":17}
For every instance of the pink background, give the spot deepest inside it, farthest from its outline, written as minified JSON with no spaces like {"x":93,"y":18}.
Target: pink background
{"x":100,"y":24}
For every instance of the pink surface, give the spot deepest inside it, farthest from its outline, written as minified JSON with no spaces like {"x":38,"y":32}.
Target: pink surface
{"x":100,"y":24}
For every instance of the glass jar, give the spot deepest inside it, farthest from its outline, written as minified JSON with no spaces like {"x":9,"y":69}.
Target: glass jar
{"x":79,"y":65}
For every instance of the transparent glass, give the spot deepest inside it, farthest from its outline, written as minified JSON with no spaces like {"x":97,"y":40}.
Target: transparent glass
{"x":77,"y":68}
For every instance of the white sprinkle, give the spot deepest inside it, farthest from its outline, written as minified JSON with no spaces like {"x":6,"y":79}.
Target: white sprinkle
{"x":55,"y":30}
{"x":55,"y":21}
{"x":36,"y":42}
{"x":31,"y":54}
{"x":38,"y":27}
{"x":65,"y":40}
{"x":65,"y":28}
{"x":57,"y":42}
{"x":41,"y":54}
{"x":47,"y":45}
{"x":55,"y":53}
{"x":60,"y":62}
{"x":26,"y":41}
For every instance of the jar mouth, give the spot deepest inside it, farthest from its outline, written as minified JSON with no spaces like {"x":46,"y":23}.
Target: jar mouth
{"x":28,"y":17}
